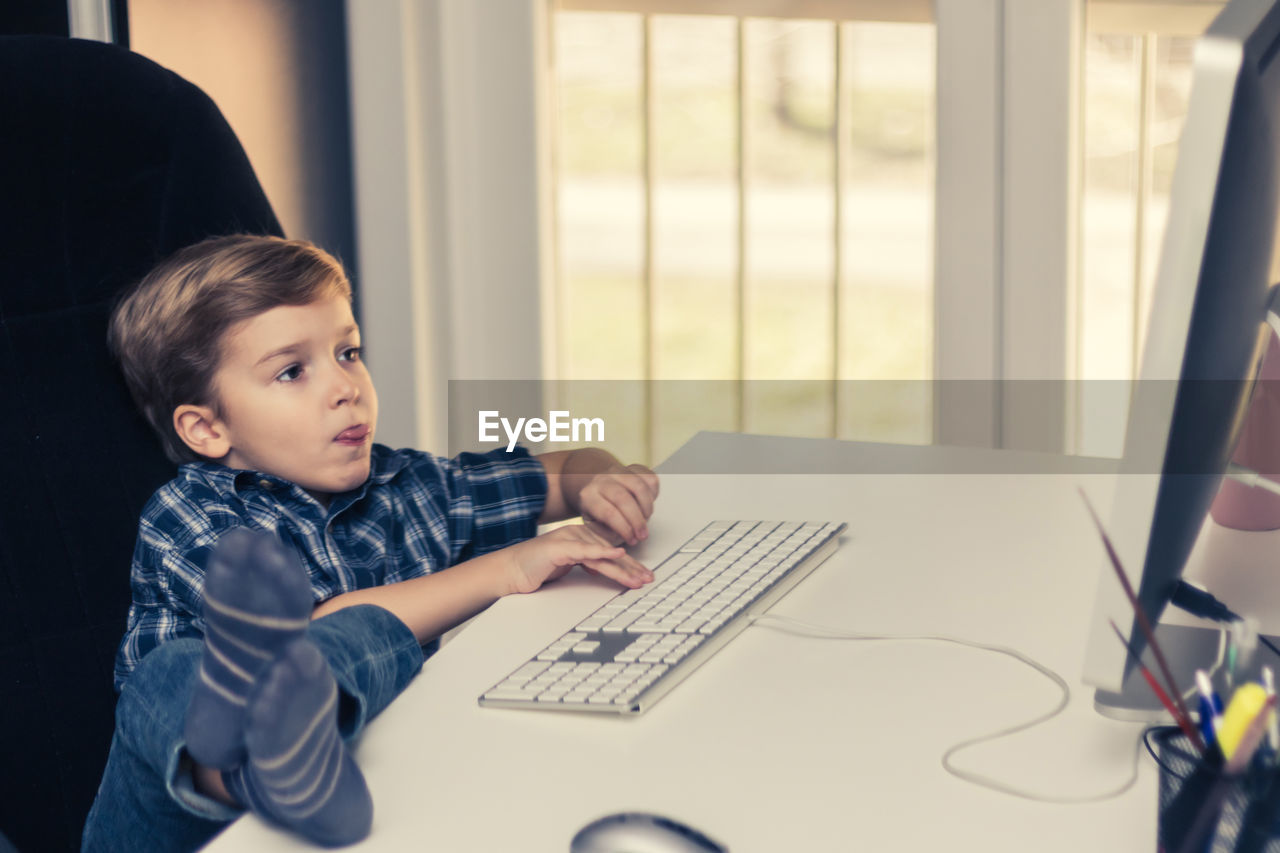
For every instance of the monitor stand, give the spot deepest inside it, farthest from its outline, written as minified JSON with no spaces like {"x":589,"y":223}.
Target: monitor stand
{"x":1186,"y":649}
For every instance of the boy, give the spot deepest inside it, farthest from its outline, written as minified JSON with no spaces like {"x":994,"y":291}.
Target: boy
{"x":243,"y":354}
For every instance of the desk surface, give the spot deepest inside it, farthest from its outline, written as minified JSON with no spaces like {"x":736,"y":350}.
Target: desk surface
{"x":786,"y":743}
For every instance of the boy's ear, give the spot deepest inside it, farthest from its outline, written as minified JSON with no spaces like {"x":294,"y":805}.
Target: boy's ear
{"x":202,"y":431}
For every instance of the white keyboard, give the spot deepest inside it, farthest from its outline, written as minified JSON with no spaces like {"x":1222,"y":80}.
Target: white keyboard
{"x":642,"y":642}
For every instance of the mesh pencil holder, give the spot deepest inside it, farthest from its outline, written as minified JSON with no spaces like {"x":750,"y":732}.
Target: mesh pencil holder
{"x":1204,"y":810}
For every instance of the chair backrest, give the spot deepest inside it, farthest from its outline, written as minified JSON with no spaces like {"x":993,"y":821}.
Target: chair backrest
{"x":108,"y":163}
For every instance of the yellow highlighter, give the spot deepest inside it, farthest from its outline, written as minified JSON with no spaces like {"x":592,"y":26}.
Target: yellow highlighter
{"x":1245,"y":705}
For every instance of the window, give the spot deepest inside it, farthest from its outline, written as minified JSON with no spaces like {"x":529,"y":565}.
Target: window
{"x":676,"y":215}
{"x":743,"y":198}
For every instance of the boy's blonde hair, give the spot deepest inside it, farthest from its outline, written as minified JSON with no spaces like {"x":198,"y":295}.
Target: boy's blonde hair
{"x":168,"y":331}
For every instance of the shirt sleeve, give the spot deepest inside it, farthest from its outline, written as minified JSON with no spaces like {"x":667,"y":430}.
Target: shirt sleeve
{"x":175,"y":540}
{"x":506,"y":491}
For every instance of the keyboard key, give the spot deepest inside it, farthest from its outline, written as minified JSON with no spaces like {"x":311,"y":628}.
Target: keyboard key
{"x":539,"y":685}
{"x":619,"y":624}
{"x":527,"y":671}
{"x":655,"y":672}
{"x":682,"y":651}
{"x":549,"y":697}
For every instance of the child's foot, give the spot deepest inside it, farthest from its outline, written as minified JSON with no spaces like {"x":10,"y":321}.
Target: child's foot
{"x":299,"y":773}
{"x":256,"y":599}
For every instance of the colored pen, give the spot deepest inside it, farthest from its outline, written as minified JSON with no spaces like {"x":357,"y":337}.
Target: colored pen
{"x":1207,"y":694}
{"x":1210,"y":704}
{"x":1273,"y":725}
{"x":1232,"y":646}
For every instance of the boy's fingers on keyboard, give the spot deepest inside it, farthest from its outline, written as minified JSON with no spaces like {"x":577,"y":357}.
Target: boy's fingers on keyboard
{"x":601,"y":531}
{"x":623,"y":569}
{"x":623,"y":512}
{"x":581,"y":543}
{"x":608,"y":523}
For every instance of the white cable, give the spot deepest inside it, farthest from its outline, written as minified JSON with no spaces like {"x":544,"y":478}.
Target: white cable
{"x":808,"y":629}
{"x":1192,"y":692}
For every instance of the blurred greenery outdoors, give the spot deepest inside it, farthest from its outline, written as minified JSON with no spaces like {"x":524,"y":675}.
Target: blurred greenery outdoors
{"x":788,"y":323}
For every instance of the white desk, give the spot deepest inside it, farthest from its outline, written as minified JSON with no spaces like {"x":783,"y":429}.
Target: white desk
{"x":782,"y":743}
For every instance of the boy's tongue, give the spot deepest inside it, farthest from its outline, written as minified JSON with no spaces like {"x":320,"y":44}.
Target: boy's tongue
{"x":354,"y":433}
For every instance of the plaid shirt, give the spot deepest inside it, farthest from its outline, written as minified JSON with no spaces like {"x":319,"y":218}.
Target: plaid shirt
{"x":416,"y":513}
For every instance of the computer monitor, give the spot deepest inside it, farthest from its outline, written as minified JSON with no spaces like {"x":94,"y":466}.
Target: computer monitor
{"x":1206,"y":335}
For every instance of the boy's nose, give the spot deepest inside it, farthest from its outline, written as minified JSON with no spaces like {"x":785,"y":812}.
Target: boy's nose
{"x":344,"y":389}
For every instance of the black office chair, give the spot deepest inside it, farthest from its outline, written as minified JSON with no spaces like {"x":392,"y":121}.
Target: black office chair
{"x":108,"y":162}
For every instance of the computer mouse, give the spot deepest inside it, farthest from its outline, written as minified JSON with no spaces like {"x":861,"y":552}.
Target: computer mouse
{"x":636,"y":832}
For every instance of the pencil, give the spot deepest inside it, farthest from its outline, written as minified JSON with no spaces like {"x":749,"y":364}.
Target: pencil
{"x":1143,"y":623}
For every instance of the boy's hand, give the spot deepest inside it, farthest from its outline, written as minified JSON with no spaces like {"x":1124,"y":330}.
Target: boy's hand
{"x":620,"y":500}
{"x":552,"y":555}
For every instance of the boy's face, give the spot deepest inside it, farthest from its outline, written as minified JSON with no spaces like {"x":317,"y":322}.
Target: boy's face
{"x":296,"y":400}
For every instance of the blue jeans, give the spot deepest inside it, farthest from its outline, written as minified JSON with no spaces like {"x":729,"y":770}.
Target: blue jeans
{"x":146,"y":800}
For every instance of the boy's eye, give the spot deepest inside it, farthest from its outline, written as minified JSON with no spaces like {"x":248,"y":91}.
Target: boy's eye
{"x":290,"y":373}
{"x":351,"y":353}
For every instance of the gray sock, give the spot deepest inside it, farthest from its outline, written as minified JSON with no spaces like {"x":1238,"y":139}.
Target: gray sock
{"x":299,"y":774}
{"x":257,"y":598}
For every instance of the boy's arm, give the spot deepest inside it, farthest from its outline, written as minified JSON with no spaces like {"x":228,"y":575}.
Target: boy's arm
{"x":434,"y":603}
{"x":590,"y":482}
